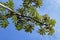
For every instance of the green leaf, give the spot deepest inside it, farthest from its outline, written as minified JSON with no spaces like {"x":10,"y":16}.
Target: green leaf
{"x":19,"y":27}
{"x":10,"y":4}
{"x":4,"y":24}
{"x":38,"y":3}
{"x":14,"y":18}
{"x":52,"y":22}
{"x":34,"y":13}
{"x":2,"y":9}
{"x":51,"y":31}
{"x":42,"y":31}
{"x":26,"y":3}
{"x":29,"y":28}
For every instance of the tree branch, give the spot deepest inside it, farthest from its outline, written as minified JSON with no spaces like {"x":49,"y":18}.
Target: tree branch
{"x":5,"y":7}
{"x":16,"y":13}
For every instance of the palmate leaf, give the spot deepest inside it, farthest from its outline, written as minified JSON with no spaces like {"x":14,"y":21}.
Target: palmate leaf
{"x":2,"y":9}
{"x":42,"y":31}
{"x":29,"y":28}
{"x":3,"y":21}
{"x":34,"y":13}
{"x":14,"y":18}
{"x":38,"y":3}
{"x":51,"y":31}
{"x":26,"y":3}
{"x":10,"y":4}
{"x":52,"y":22}
{"x":38,"y":17}
{"x":19,"y":27}
{"x":46,"y":18}
{"x":22,"y":11}
{"x":4,"y":24}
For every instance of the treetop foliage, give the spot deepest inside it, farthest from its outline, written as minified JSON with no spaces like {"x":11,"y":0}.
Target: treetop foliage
{"x":26,"y":17}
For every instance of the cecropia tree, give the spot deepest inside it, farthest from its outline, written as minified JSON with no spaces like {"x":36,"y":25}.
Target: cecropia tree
{"x":26,"y":17}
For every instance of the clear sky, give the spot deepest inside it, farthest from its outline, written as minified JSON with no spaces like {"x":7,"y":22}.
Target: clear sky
{"x":51,"y":7}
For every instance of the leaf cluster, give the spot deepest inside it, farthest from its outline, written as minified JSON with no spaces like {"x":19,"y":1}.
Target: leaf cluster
{"x":28,"y":18}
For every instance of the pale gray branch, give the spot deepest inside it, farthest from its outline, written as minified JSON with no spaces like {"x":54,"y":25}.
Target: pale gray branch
{"x":8,"y":8}
{"x":19,"y":13}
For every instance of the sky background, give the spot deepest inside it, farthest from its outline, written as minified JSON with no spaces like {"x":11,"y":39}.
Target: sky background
{"x":51,"y":7}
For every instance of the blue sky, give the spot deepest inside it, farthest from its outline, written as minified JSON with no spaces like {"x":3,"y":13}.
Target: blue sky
{"x":51,"y":7}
